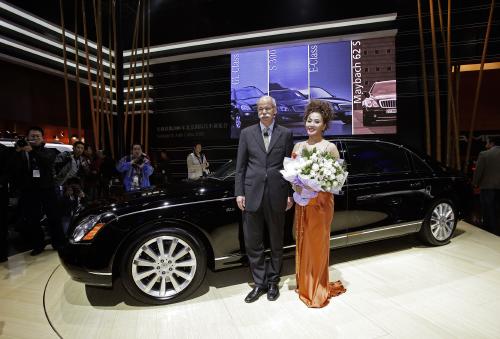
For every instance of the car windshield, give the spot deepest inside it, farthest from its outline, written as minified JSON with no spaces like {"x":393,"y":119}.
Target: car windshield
{"x":286,"y":95}
{"x":248,"y":92}
{"x":225,"y":171}
{"x":384,"y":88}
{"x":320,"y":93}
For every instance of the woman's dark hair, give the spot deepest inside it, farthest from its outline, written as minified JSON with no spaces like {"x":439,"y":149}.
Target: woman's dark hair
{"x":322,"y":107}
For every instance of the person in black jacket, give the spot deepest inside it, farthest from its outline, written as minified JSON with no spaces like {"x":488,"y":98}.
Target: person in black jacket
{"x":33,"y":172}
{"x":4,"y":203}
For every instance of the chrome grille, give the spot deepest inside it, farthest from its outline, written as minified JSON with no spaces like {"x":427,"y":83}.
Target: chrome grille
{"x":390,"y":103}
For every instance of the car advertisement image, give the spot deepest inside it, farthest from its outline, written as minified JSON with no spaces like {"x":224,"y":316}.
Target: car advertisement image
{"x":350,"y":75}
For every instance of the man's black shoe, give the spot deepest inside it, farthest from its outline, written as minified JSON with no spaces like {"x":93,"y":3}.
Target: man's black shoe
{"x":37,"y":251}
{"x":254,"y":294}
{"x":273,"y":292}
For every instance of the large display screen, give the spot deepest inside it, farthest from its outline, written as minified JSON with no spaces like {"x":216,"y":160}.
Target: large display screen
{"x":357,"y":78}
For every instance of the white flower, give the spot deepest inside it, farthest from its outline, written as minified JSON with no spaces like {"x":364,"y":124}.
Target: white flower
{"x":315,"y":167}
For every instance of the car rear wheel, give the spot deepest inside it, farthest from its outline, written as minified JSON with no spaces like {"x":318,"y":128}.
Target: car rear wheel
{"x":439,"y":224}
{"x":163,"y":266}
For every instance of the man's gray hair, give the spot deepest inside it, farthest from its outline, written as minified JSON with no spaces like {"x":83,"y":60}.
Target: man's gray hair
{"x":268,"y":97}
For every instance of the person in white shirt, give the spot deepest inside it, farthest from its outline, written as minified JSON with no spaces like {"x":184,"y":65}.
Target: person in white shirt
{"x":197,"y":164}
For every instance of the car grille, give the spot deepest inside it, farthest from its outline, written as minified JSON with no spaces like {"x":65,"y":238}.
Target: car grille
{"x":299,"y":108}
{"x":391,"y":103}
{"x":345,"y":107}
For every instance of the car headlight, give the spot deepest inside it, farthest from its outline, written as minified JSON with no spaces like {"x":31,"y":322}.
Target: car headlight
{"x":283,"y":108}
{"x":90,"y":226}
{"x":245,"y":108}
{"x":370,"y":103}
{"x":336,"y":107}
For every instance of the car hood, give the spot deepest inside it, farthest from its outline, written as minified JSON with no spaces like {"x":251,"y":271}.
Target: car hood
{"x":249,"y":101}
{"x":336,"y":100}
{"x":171,"y":195}
{"x":384,"y":96}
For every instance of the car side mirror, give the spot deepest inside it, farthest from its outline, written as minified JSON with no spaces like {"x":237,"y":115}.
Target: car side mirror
{"x":366,"y":94}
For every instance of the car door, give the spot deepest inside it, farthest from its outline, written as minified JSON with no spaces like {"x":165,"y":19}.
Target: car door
{"x":340,"y":223}
{"x":385,"y":196}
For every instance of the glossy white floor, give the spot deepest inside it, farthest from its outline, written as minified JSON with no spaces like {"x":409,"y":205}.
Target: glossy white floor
{"x":395,"y":289}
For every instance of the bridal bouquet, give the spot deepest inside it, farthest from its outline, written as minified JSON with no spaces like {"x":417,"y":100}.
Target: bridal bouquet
{"x":315,"y":172}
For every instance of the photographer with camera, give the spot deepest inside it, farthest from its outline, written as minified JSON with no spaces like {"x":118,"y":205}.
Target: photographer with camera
{"x":197,"y":164}
{"x":33,"y":177}
{"x":136,"y":169}
{"x":71,"y":164}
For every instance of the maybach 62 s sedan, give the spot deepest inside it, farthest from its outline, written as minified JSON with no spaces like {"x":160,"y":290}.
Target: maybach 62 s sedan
{"x":161,"y":242}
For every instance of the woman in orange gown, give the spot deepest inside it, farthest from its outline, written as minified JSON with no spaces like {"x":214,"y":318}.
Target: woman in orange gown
{"x":313,"y":221}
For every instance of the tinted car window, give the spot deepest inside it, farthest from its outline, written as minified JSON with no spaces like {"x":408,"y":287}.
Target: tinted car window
{"x":419,"y":165}
{"x":375,"y":157}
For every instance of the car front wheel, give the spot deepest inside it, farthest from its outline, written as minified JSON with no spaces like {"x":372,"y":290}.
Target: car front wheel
{"x":439,"y":224}
{"x":163,"y":266}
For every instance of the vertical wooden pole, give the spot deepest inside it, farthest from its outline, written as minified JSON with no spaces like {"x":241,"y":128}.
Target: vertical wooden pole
{"x":424,"y":81}
{"x":89,"y":77}
{"x":112,"y":74}
{"x":142,"y":71}
{"x":437,"y":94}
{"x":457,"y":116}
{"x":478,"y":88}
{"x":131,"y":69}
{"x":77,"y":76}
{"x":146,"y":146}
{"x":66,"y":88}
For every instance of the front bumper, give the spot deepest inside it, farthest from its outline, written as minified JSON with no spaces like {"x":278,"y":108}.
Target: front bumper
{"x":81,"y":263}
{"x":380,"y":113}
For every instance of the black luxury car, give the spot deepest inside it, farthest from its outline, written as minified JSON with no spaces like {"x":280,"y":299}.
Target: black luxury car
{"x":380,"y":103}
{"x":341,"y":107}
{"x":244,"y":106}
{"x":160,"y":242}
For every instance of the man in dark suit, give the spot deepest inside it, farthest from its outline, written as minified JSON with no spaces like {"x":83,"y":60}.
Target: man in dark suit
{"x":487,"y":178}
{"x":263,"y":195}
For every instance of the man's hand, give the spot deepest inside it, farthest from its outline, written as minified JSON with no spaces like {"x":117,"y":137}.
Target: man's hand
{"x":240,"y":200}
{"x":27,"y":148}
{"x":289,"y":203}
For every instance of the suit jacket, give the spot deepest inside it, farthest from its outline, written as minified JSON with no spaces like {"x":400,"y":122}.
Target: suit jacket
{"x":487,"y":174}
{"x":256,"y":168}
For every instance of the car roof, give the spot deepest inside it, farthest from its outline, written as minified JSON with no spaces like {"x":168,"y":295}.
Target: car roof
{"x":59,"y":147}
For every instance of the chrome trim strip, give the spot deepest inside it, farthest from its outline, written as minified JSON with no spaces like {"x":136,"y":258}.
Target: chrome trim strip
{"x":99,"y":273}
{"x":285,"y":247}
{"x":385,"y":228}
{"x":175,"y":205}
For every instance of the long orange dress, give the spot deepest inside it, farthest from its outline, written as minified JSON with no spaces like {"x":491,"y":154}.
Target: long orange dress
{"x":312,"y":224}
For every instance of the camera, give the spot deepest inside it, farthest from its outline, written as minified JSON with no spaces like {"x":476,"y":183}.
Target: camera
{"x":139,"y":160}
{"x":21,"y":143}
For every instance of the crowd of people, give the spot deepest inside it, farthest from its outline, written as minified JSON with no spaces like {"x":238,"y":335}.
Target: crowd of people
{"x":48,"y":185}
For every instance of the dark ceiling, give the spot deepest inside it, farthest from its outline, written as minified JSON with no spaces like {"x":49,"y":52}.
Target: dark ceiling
{"x":174,"y":20}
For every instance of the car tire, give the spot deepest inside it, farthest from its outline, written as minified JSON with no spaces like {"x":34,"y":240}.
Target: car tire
{"x":439,"y":223}
{"x":237,"y":121}
{"x":163,"y":266}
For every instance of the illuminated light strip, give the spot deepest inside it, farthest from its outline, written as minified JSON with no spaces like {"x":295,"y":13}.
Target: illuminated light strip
{"x":37,"y":37}
{"x":130,"y":102}
{"x":268,"y":33}
{"x":477,"y":67}
{"x":47,"y":55}
{"x":25,"y":15}
{"x":224,"y":51}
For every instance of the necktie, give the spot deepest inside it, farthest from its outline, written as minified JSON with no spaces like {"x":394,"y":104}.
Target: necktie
{"x":265,"y":133}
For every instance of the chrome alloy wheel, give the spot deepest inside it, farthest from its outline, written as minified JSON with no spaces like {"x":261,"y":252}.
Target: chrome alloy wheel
{"x":163,"y":266}
{"x":442,"y":221}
